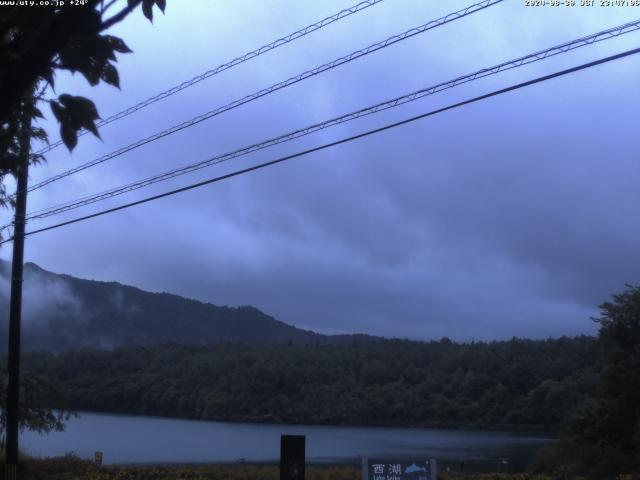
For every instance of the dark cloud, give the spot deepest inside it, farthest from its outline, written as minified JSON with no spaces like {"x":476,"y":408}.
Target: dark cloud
{"x":515,"y":216}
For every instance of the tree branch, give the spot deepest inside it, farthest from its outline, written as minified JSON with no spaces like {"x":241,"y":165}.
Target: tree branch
{"x":121,"y":15}
{"x":106,"y":7}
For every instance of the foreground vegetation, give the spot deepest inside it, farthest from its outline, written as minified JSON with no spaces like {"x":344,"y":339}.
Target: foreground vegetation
{"x":522,"y":384}
{"x":72,"y":468}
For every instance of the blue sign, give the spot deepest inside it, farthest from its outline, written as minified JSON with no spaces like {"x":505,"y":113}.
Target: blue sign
{"x":391,"y":469}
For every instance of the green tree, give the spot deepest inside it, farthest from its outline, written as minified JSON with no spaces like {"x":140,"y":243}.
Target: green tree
{"x":35,"y":412}
{"x":607,"y":432}
{"x":620,"y":336}
{"x":35,"y":42}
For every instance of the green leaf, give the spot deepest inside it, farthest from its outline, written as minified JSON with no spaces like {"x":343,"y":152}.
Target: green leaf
{"x":81,"y":104}
{"x":147,"y":9}
{"x":58,"y":111}
{"x":117,"y":44}
{"x":37,"y":113}
{"x":48,"y":76}
{"x":69,"y":136}
{"x":74,"y":113}
{"x":36,"y":158}
{"x":82,"y":112}
{"x":91,"y":54}
{"x":110,"y":75}
{"x":40,"y":134}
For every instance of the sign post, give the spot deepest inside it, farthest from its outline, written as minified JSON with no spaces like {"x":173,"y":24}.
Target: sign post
{"x":390,"y":469}
{"x":292,"y":457}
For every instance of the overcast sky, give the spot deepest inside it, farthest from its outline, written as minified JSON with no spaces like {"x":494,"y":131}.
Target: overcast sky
{"x":515,"y":216}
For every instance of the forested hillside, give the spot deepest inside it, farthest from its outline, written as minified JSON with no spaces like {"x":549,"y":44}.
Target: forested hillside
{"x":513,"y":384}
{"x":63,"y":312}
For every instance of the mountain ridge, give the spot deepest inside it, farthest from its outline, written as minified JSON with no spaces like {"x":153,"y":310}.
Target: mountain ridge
{"x":62,"y":312}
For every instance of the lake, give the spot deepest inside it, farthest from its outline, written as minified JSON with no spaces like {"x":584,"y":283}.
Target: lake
{"x":134,"y":439}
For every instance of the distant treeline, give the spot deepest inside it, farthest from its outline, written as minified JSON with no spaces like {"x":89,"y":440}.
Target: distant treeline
{"x":522,"y":384}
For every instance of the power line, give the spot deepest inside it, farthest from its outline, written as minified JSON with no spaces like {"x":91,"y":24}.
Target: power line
{"x":341,"y":141}
{"x":392,"y":103}
{"x":225,"y":66}
{"x":278,"y":86}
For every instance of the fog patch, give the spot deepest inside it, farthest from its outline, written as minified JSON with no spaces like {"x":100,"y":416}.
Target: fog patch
{"x":44,"y":297}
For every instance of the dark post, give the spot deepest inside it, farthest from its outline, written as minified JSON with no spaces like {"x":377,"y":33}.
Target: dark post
{"x":292,"y":457}
{"x":15,"y":309}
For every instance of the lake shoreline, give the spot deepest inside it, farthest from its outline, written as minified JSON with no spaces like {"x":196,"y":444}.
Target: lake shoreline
{"x":137,"y":440}
{"x":548,"y":434}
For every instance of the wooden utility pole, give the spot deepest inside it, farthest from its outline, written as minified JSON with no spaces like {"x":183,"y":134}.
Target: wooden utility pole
{"x":15,"y":311}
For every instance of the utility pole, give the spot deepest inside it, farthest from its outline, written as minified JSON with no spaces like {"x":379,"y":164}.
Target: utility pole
{"x":15,"y":311}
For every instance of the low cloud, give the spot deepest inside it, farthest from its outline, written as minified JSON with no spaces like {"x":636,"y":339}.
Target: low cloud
{"x":43,"y":295}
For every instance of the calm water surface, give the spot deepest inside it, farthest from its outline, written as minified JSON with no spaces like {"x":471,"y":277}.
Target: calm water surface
{"x":134,"y":439}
